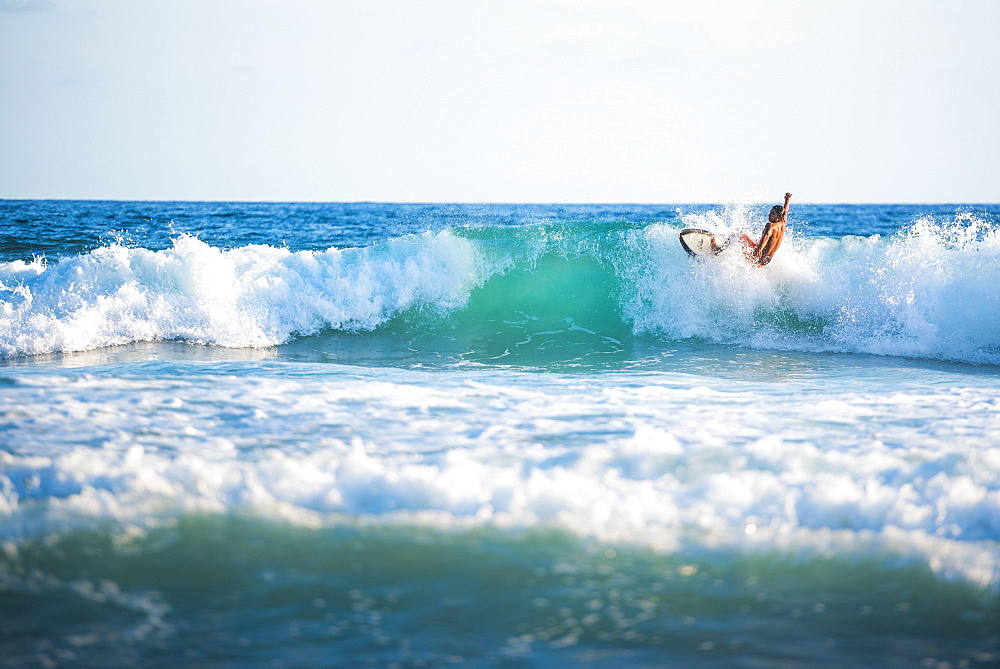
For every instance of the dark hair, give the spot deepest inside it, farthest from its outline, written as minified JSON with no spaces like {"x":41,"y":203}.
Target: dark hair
{"x":776,"y":212}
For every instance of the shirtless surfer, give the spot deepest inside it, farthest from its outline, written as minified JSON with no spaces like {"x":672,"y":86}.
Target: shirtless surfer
{"x":760,"y":253}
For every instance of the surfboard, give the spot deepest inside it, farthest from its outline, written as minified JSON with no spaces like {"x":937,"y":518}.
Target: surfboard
{"x":699,"y":243}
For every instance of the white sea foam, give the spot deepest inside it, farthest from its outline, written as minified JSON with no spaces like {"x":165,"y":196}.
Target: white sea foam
{"x":243,"y":297}
{"x":829,"y":473}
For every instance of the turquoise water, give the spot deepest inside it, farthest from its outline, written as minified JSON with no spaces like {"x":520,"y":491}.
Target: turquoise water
{"x":516,"y":435}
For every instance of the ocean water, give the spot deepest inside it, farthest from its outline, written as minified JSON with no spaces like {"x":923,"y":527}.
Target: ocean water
{"x":246,"y":434}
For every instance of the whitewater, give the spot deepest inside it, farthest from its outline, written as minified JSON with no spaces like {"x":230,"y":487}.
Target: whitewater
{"x":497,"y":434}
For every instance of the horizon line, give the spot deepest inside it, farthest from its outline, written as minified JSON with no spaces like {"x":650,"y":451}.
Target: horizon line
{"x":492,"y":202}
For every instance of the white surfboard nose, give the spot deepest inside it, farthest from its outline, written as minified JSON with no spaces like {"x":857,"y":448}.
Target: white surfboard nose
{"x":699,"y":243}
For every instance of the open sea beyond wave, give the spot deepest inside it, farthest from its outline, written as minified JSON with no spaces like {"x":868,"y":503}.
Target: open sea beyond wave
{"x":247,"y":434}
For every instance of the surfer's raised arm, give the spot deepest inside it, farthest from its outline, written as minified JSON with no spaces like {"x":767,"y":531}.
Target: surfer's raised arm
{"x":774,"y":232}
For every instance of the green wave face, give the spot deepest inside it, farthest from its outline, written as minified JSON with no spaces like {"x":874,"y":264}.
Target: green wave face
{"x":546,"y":295}
{"x":558,"y":309}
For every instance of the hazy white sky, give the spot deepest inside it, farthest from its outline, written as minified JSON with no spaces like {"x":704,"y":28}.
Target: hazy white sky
{"x":506,"y":101}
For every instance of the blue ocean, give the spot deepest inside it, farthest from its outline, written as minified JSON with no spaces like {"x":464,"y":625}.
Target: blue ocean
{"x":402,"y":435}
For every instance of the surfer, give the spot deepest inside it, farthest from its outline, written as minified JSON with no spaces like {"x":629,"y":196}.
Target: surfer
{"x":702,"y":243}
{"x":760,"y":253}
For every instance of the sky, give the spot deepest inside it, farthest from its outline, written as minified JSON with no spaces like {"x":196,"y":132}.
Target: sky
{"x":507,"y":101}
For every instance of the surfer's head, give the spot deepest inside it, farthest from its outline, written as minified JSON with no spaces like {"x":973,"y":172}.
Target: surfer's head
{"x":777,"y":211}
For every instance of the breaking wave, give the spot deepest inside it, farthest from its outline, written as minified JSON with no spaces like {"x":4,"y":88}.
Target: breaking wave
{"x":929,"y":291}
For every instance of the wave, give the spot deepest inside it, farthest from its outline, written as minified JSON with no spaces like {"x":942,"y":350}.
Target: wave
{"x":929,"y":291}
